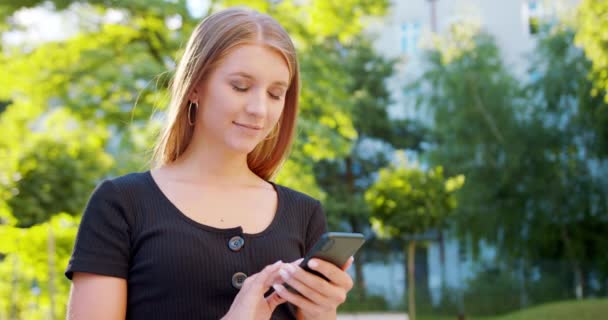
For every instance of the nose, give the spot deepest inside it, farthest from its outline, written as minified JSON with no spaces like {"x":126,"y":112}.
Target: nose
{"x":257,"y":103}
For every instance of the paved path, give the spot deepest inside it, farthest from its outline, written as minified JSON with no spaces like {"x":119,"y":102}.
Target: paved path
{"x":373,"y":316}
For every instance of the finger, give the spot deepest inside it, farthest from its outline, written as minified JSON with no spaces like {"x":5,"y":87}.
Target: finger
{"x":348,"y":263}
{"x":316,"y":289}
{"x":312,"y":280}
{"x":273,"y":277}
{"x":288,"y":275}
{"x":267,"y":276}
{"x":274,"y":300}
{"x":294,"y":298}
{"x":336,"y":275}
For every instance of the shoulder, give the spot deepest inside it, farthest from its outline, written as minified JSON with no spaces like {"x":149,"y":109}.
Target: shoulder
{"x":297,"y":199}
{"x":120,"y":192}
{"x":306,"y":212}
{"x":111,"y":204}
{"x":130,"y":182}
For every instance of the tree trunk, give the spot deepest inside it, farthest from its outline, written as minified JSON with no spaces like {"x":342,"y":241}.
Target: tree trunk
{"x":576,"y":267}
{"x":356,"y":227}
{"x":358,"y":264}
{"x":411,"y":279}
{"x":51,"y":264}
{"x":14,"y":307}
{"x":578,"y":281}
{"x":442,"y":265}
{"x":523,"y":292}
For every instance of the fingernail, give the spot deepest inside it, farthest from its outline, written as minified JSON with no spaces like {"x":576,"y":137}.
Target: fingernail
{"x":277,"y":263}
{"x":284,"y":274}
{"x":290,"y":268}
{"x":313,"y":264}
{"x":277,"y":287}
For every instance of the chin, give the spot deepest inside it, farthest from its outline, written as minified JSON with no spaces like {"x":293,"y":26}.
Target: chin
{"x":244,"y":147}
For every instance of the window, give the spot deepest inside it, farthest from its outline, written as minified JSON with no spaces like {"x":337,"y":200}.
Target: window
{"x":534,"y":13}
{"x":410,"y":36}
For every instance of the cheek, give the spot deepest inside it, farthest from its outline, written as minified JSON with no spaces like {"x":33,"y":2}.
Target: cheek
{"x":275,"y":112}
{"x":218,"y":107}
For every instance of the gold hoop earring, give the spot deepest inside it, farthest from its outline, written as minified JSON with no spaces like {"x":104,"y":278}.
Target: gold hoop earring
{"x":190,"y":112}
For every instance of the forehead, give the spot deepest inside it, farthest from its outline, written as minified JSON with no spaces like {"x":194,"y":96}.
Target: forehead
{"x":260,"y":62}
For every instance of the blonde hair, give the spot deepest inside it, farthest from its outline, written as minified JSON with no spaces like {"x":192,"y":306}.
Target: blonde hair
{"x":211,"y":40}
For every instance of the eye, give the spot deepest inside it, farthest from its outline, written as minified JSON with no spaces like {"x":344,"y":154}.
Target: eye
{"x":276,"y":93}
{"x":273,"y":96}
{"x":239,"y":89}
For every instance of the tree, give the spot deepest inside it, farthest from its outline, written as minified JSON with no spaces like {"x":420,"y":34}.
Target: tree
{"x":573,"y":207}
{"x":345,"y":178}
{"x":32,"y":267}
{"x":592,"y":24}
{"x":113,"y":64}
{"x":528,"y":150}
{"x":87,"y":107}
{"x":407,"y":202}
{"x":473,"y":103}
{"x":45,"y":174}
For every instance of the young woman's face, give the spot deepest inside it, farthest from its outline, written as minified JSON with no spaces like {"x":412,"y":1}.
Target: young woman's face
{"x":243,"y":98}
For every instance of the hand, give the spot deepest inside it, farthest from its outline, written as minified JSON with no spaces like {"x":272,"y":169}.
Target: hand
{"x":318,"y":298}
{"x":250,"y":302}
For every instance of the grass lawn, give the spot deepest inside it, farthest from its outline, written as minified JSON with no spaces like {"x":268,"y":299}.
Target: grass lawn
{"x":423,"y":317}
{"x":590,"y":309}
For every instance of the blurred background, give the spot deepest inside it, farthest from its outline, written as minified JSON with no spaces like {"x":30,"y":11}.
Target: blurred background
{"x":468,"y":140}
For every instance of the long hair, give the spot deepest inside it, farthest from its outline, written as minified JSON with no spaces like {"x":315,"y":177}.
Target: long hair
{"x":212,"y":40}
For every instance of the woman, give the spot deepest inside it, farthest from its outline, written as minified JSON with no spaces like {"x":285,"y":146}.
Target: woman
{"x":204,"y":234}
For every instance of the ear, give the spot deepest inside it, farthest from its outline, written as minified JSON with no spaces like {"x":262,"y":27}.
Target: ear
{"x":194,"y":95}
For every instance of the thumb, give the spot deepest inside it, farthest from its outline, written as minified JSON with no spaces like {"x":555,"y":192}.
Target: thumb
{"x":348,"y":263}
{"x":274,"y":300}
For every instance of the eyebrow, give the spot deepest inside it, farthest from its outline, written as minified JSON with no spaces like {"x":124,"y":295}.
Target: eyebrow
{"x":246,"y":75}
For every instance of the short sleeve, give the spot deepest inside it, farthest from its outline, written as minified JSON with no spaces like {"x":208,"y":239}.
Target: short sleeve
{"x":102,"y":243}
{"x":317,"y":226}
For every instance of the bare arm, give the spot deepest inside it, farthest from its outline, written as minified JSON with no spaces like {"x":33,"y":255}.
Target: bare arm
{"x":94,"y":296}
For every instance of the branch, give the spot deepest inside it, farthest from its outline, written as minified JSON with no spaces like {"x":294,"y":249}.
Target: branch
{"x":480,"y":106}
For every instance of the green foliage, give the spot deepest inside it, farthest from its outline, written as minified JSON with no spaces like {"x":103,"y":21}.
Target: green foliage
{"x":569,"y":147}
{"x":80,"y":109}
{"x":315,"y":21}
{"x":473,"y":104}
{"x":347,"y":176}
{"x":492,"y":292}
{"x":406,"y":201}
{"x":531,"y":151}
{"x":592,"y":25}
{"x":26,"y":264}
{"x":360,"y":301}
{"x":52,"y":173}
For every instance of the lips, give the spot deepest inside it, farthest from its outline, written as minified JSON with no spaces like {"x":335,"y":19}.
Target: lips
{"x":248,"y":126}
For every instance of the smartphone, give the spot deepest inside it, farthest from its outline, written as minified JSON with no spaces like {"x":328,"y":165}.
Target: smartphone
{"x":334,"y":247}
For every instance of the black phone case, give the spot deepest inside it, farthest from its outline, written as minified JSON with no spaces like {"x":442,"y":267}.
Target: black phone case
{"x":334,"y":247}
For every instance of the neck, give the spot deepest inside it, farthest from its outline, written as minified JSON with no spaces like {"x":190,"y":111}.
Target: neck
{"x":201,"y":163}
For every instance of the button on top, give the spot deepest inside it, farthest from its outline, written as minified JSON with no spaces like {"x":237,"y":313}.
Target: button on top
{"x":236,"y":243}
{"x":238,"y":279}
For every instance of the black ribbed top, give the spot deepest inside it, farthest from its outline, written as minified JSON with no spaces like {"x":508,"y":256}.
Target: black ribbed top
{"x":177,"y":268}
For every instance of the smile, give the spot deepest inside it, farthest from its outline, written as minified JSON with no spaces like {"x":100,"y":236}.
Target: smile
{"x":248,"y":126}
